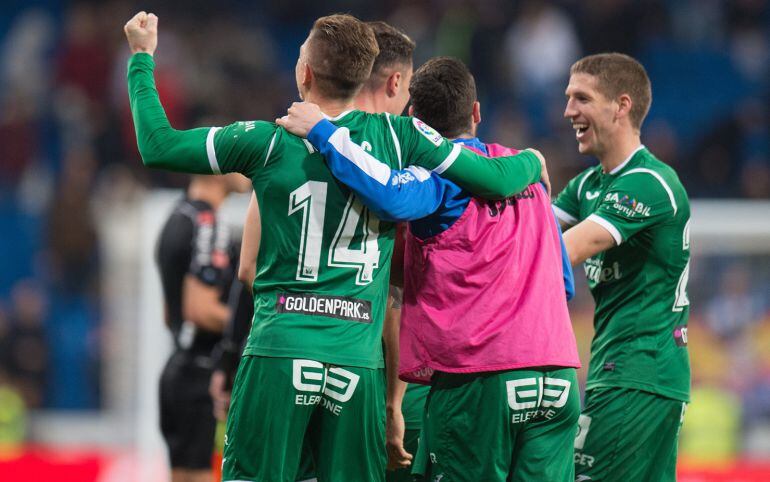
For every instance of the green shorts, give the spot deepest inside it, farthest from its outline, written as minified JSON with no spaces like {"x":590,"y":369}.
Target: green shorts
{"x":516,"y":426}
{"x":628,"y":434}
{"x":277,"y":402}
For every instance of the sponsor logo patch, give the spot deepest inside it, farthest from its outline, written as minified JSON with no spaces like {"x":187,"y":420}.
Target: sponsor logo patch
{"x":597,"y":273}
{"x":403,"y":178}
{"x":339,"y":307}
{"x":496,"y":207}
{"x":627,"y":205}
{"x":537,"y":397}
{"x":429,"y":132}
{"x":322,"y":385}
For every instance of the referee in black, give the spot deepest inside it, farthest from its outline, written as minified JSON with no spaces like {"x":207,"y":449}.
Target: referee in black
{"x":197,"y":259}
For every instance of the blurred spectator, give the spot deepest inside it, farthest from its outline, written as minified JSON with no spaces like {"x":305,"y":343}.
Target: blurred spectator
{"x":27,"y":346}
{"x":755,"y":179}
{"x":611,"y":26}
{"x":735,"y":304}
{"x":73,"y":257}
{"x":17,"y":136}
{"x":541,"y":45}
{"x":5,"y":345}
{"x":748,"y":22}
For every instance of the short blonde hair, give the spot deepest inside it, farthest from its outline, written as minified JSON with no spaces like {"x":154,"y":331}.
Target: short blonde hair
{"x":341,"y":52}
{"x":619,"y":74}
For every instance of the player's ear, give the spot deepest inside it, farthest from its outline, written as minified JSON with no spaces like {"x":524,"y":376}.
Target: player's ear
{"x":624,"y":103}
{"x":393,"y":83}
{"x":476,"y":113}
{"x":307,"y":75}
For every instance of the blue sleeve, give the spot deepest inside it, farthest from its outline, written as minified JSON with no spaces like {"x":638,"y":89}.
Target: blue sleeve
{"x":393,"y":195}
{"x":569,"y":277}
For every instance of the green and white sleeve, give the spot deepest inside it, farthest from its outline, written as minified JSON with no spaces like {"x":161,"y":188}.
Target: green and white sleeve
{"x":205,"y":150}
{"x":491,"y":178}
{"x":567,"y":203}
{"x":640,"y":199}
{"x":160,"y":145}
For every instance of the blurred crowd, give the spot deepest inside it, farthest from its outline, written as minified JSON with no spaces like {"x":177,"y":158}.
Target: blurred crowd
{"x":68,"y":146}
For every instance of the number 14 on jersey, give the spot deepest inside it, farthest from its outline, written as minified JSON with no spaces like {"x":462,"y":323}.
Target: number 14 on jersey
{"x":310,"y":200}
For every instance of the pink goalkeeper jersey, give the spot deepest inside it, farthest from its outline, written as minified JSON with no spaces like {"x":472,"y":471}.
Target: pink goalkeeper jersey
{"x":487,"y":294}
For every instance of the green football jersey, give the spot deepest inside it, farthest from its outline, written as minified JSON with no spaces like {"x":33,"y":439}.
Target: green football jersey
{"x":323,"y":267}
{"x":640,"y":285}
{"x":324,"y":260}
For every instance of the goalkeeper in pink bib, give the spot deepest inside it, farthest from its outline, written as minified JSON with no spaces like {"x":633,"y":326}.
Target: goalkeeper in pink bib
{"x":486,"y":283}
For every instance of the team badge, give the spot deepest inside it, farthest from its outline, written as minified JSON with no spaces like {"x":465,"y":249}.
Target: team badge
{"x":429,"y":132}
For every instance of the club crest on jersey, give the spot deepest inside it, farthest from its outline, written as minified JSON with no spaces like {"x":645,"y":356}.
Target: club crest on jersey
{"x":429,"y":132}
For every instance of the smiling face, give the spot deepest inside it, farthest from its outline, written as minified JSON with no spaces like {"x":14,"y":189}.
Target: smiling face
{"x":593,"y":116}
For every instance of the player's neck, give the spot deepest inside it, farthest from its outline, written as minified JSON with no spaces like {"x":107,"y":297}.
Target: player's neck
{"x":368,"y":101}
{"x":330,"y":107}
{"x":619,"y":151}
{"x":213,"y":193}
{"x":464,"y":135}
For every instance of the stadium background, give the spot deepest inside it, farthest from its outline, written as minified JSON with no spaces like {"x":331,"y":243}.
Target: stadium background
{"x":80,"y":331}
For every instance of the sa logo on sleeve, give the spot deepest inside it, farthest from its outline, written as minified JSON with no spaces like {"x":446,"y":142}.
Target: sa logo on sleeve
{"x":429,"y":132}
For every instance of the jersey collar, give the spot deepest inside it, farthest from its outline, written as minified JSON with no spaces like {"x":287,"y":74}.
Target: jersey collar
{"x":338,"y":117}
{"x":625,"y":163}
{"x":474,"y":142}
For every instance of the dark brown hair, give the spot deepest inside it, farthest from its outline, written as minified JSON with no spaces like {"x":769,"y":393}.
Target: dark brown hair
{"x":341,"y":51}
{"x":443,"y":92}
{"x":619,"y":74}
{"x":396,"y":48}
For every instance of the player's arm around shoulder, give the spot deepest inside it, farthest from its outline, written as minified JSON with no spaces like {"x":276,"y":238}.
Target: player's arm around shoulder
{"x":490,"y":178}
{"x":393,"y":195}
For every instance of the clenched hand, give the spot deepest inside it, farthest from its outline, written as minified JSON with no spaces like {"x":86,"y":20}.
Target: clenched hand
{"x":142,"y":33}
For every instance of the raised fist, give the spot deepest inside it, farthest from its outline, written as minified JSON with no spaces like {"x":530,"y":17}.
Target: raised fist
{"x":142,"y":33}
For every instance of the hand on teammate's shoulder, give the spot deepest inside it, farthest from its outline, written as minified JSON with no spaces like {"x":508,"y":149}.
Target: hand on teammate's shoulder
{"x":543,"y":169}
{"x":300,"y":118}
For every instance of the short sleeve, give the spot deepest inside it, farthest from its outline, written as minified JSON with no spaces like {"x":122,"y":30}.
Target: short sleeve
{"x":567,"y":203}
{"x":210,"y":250}
{"x":638,"y":200}
{"x":241,"y":147}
